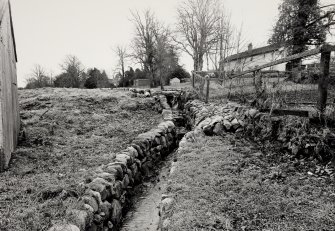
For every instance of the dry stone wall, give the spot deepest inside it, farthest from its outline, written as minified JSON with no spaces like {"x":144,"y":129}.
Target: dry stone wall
{"x":293,"y":134}
{"x":106,"y":193}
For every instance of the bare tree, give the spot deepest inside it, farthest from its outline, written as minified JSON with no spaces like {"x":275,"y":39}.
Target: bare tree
{"x":38,"y":78}
{"x":121,"y":52}
{"x":74,"y":70}
{"x":197,"y":24}
{"x":144,"y":40}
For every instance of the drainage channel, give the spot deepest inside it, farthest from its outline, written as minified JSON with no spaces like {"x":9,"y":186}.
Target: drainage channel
{"x":144,"y":211}
{"x":144,"y":214}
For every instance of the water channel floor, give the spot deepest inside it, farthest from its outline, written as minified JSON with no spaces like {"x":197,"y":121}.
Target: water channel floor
{"x":145,"y":213}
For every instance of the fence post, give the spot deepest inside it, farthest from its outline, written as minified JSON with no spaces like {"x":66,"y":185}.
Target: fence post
{"x":207,"y":89}
{"x":193,"y":79}
{"x":323,"y":81}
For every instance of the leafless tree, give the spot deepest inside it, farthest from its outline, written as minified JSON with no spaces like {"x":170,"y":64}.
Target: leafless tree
{"x":38,"y":78}
{"x":144,"y":40}
{"x":122,"y":54}
{"x":74,"y":70}
{"x":197,"y":25}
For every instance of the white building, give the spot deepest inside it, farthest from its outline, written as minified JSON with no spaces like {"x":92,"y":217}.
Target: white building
{"x":255,"y":57}
{"x":174,"y":82}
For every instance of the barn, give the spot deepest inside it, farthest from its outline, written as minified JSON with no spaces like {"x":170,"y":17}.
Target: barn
{"x":9,"y":113}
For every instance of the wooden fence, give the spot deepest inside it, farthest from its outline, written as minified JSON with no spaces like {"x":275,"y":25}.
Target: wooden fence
{"x":203,"y":87}
{"x":322,"y":88}
{"x":9,"y":113}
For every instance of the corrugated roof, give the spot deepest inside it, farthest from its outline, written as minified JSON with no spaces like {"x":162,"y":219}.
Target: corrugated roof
{"x":5,"y":5}
{"x":253,"y":52}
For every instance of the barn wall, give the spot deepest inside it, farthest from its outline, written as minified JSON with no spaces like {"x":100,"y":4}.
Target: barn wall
{"x":8,"y":95}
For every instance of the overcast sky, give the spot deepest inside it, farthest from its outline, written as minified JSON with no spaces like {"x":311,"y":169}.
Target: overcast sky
{"x":48,"y":30}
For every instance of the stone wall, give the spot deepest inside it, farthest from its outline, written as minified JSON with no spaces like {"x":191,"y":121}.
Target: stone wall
{"x":107,"y":192}
{"x":292,"y":134}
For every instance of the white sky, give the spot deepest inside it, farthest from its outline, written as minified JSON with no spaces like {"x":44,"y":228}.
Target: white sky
{"x":48,"y":30}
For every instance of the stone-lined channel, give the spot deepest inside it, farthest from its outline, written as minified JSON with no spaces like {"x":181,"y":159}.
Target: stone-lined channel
{"x":144,"y":214}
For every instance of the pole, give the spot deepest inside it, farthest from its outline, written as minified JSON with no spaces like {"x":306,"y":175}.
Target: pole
{"x":193,"y":79}
{"x":323,"y":81}
{"x":207,"y":89}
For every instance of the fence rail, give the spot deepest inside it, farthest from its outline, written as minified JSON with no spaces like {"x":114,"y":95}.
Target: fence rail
{"x":273,"y":88}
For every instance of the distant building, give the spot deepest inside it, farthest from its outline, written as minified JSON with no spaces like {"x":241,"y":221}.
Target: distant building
{"x":174,"y":82}
{"x":9,"y":111}
{"x":142,"y":83}
{"x":255,"y":57}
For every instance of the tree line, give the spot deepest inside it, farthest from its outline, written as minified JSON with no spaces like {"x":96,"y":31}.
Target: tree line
{"x":203,"y":31}
{"x":73,"y":75}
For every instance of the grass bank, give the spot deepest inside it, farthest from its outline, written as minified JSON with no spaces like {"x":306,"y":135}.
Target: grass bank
{"x":69,"y":132}
{"x":228,"y":184}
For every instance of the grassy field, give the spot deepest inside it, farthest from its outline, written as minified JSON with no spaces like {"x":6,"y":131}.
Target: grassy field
{"x":228,"y":184}
{"x":68,"y":133}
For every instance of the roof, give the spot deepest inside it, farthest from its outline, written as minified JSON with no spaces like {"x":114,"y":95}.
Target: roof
{"x":5,"y":5}
{"x":254,"y":52}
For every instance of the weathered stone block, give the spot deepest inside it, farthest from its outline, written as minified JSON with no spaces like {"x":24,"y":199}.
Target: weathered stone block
{"x":131,"y":177}
{"x":116,"y":214}
{"x":80,"y":218}
{"x":101,"y":186}
{"x":125,"y":181}
{"x":218,"y":129}
{"x":106,"y":208}
{"x":107,"y":176}
{"x":91,"y":201}
{"x":67,"y":227}
{"x":115,"y":170}
{"x":139,"y":150}
{"x":117,"y":190}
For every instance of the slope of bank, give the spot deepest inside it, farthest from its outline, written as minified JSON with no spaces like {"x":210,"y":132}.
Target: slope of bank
{"x":69,"y":132}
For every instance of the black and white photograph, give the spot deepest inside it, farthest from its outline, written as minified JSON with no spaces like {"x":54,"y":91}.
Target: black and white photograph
{"x":167,"y":115}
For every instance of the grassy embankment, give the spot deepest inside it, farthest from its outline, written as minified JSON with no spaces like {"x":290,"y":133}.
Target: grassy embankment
{"x":228,"y":184}
{"x":69,"y":133}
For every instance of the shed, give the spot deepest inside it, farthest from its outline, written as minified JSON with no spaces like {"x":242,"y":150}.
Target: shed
{"x":174,"y":81}
{"x":9,"y":113}
{"x":145,"y":83}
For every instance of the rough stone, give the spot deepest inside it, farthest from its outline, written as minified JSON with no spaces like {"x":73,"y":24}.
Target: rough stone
{"x":94,"y":194}
{"x":67,"y":227}
{"x":91,"y":201}
{"x":139,"y":150}
{"x":252,"y":112}
{"x":218,"y":129}
{"x":133,"y":151}
{"x":106,"y":208}
{"x":115,"y":170}
{"x":101,"y":186}
{"x":208,"y":130}
{"x":125,"y":181}
{"x":227,"y":125}
{"x":78,"y":217}
{"x":122,"y":157}
{"x":117,"y":190}
{"x":116,"y":212}
{"x":107,"y":176}
{"x":163,"y":142}
{"x":131,"y":177}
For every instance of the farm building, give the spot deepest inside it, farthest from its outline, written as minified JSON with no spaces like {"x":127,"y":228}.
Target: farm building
{"x":9,"y":114}
{"x":255,"y":57}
